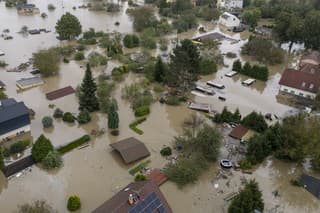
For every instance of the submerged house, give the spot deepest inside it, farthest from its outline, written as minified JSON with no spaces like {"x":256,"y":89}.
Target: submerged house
{"x":14,"y":119}
{"x":27,"y":9}
{"x":305,"y":80}
{"x":26,"y":83}
{"x":228,"y":20}
{"x":229,"y":4}
{"x":143,"y":196}
{"x":311,"y":184}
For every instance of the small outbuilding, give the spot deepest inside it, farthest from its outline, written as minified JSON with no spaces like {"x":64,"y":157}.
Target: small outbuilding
{"x":131,"y":149}
{"x":239,"y":132}
{"x":311,"y":184}
{"x":60,"y":93}
{"x":26,"y":83}
{"x":228,"y":20}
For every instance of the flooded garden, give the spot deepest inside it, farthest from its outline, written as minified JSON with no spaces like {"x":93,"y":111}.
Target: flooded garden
{"x":95,"y":173}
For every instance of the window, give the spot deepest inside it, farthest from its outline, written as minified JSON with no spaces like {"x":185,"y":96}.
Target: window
{"x":292,"y":92}
{"x":286,"y":90}
{"x":303,"y":84}
{"x":301,"y":94}
{"x":311,"y":86}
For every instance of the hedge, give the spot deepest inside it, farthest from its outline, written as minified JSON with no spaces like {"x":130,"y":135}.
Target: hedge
{"x":134,"y":125}
{"x":74,"y":144}
{"x":140,"y":166}
{"x":142,"y":111}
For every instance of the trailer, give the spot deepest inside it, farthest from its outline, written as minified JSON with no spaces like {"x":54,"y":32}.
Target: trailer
{"x":205,"y":90}
{"x":248,"y":82}
{"x":216,"y":85}
{"x":231,"y":74}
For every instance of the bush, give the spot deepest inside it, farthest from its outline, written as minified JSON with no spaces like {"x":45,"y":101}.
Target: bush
{"x":255,"y":122}
{"x":6,"y":152}
{"x":47,"y":122}
{"x":47,"y":61}
{"x":166,"y":151}
{"x":96,"y":59}
{"x":114,"y":132}
{"x":131,"y":41}
{"x":51,"y":7}
{"x":84,"y":117}
{"x":142,"y":111}
{"x":173,"y":100}
{"x":74,"y":144}
{"x":18,"y":147}
{"x":74,"y":203}
{"x":139,"y":167}
{"x":245,"y":164}
{"x":134,"y":125}
{"x":79,"y":56}
{"x":41,"y":148}
{"x":207,"y":66}
{"x":140,"y":177}
{"x":231,"y":55}
{"x":52,"y":160}
{"x":68,"y":117}
{"x":58,"y":113}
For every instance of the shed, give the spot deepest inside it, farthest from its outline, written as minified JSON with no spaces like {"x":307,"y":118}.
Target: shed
{"x":26,"y":83}
{"x":311,"y":184}
{"x":18,"y":166}
{"x":131,"y":149}
{"x":60,"y":93}
{"x":238,"y":132}
{"x":157,"y":176}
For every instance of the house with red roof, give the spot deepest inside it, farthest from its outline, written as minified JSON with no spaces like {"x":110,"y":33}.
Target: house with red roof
{"x":304,"y":81}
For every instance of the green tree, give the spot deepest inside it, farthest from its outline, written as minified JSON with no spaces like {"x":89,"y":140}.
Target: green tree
{"x":207,"y":66}
{"x":131,"y":41}
{"x":248,"y":200}
{"x":113,"y":117}
{"x":2,"y":94}
{"x":47,"y":122}
{"x":41,"y":148}
{"x":255,"y":122}
{"x":74,"y":203}
{"x":143,"y":17}
{"x":159,"y":70}
{"x":58,"y":113}
{"x":52,"y":160}
{"x":184,"y":66}
{"x":38,"y":206}
{"x":47,"y":61}
{"x":68,"y":27}
{"x":251,"y":16}
{"x":84,"y":117}
{"x":1,"y":160}
{"x":88,"y":99}
{"x":316,"y":102}
{"x":237,"y":66}
{"x":312,"y":30}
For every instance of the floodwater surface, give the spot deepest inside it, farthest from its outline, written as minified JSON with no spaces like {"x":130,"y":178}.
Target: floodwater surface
{"x":96,"y":173}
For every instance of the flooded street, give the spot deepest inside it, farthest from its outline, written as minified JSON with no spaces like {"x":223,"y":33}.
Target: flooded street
{"x":95,"y":173}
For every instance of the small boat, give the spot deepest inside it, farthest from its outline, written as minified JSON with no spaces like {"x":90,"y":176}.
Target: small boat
{"x":225,"y":163}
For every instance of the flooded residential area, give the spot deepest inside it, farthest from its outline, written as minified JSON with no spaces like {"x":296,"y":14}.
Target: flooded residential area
{"x":102,"y":176}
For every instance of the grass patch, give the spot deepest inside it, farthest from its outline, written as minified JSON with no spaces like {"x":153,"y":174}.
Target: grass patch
{"x":134,"y":125}
{"x":73,"y":144}
{"x":140,"y":166}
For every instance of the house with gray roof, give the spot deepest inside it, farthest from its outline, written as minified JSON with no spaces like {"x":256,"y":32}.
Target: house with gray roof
{"x":14,"y":119}
{"x":26,"y":83}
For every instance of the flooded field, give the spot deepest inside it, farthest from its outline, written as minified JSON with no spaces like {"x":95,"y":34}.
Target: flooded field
{"x":95,"y":173}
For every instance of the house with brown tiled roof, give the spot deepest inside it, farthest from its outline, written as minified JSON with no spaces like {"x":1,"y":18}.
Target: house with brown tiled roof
{"x":304,"y":81}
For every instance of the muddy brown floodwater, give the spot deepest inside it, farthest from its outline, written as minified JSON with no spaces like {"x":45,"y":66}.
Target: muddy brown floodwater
{"x":95,"y":173}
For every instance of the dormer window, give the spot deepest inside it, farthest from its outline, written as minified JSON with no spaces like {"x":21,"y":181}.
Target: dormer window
{"x":303,"y":84}
{"x":311,"y":86}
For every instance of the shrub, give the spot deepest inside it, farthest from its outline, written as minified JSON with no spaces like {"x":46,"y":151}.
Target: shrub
{"x":79,"y":56}
{"x":84,"y":117}
{"x":58,"y":113}
{"x":134,"y":125}
{"x":173,"y":100}
{"x":51,"y":7}
{"x":74,"y":203}
{"x":166,"y":151}
{"x":68,"y":117}
{"x":74,"y":144}
{"x":139,"y":167}
{"x":245,"y":164}
{"x":131,"y":41}
{"x":47,"y":61}
{"x":41,"y":148}
{"x":207,"y":66}
{"x":6,"y":152}
{"x":2,"y":166}
{"x":142,"y":111}
{"x":255,"y":122}
{"x":140,"y":177}
{"x":52,"y":160}
{"x":47,"y":122}
{"x":231,"y":55}
{"x":115,"y":132}
{"x":295,"y":182}
{"x":18,"y":147}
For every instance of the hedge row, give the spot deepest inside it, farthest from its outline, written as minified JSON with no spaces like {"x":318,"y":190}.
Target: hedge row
{"x":134,"y":125}
{"x":74,"y":144}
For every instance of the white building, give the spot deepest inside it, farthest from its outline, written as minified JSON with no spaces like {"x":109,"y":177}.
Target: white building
{"x":229,"y":4}
{"x":228,"y":20}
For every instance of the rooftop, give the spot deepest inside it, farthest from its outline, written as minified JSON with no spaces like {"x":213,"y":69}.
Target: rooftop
{"x":131,"y":149}
{"x":157,"y":176}
{"x":146,"y":195}
{"x":29,"y":81}
{"x":238,"y":132}
{"x":311,"y":184}
{"x":60,"y":93}
{"x":2,"y":85}
{"x":313,"y":55}
{"x":304,"y":80}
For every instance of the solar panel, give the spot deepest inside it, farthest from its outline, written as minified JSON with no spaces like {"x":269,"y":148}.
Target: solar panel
{"x":149,"y":204}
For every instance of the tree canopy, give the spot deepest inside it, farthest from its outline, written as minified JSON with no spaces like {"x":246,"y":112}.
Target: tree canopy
{"x":47,"y":61}
{"x":41,"y":148}
{"x":68,"y":27}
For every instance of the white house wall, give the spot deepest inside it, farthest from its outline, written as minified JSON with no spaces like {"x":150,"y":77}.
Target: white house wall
{"x":15,"y":132}
{"x":297,"y":92}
